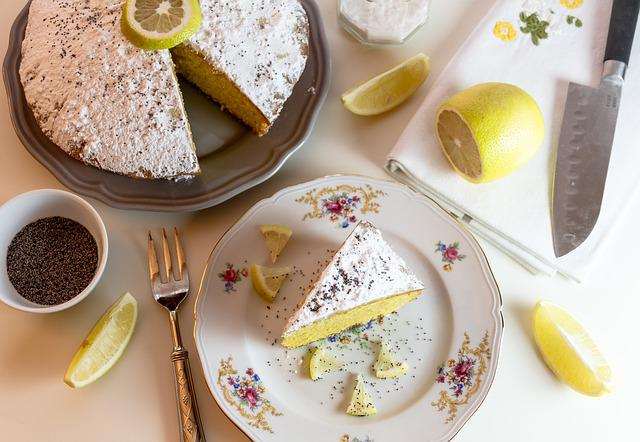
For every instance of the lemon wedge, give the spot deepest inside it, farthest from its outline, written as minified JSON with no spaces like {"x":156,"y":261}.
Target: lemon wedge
{"x":267,"y":281}
{"x":569,"y":351}
{"x":104,"y":344}
{"x":389,"y":89}
{"x":160,"y":24}
{"x":386,"y":367}
{"x":321,"y":363}
{"x":276,"y":237}
{"x":489,"y":130}
{"x":361,"y":403}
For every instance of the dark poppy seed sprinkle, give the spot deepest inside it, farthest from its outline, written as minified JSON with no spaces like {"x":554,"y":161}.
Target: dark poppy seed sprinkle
{"x":52,"y":260}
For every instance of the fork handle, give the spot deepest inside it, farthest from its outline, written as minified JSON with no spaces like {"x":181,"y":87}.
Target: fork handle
{"x":190,"y":424}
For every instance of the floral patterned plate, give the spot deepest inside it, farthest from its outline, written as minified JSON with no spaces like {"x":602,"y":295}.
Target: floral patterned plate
{"x":450,"y":336}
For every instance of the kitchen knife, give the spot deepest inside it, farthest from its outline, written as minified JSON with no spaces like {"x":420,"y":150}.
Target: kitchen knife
{"x":586,"y":137}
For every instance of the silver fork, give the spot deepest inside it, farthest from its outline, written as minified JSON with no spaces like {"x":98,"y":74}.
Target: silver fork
{"x":169,"y":291}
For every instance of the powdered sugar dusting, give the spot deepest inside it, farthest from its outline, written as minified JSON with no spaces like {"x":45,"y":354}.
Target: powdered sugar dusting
{"x":100,"y":98}
{"x":261,"y":45}
{"x":365,"y":269}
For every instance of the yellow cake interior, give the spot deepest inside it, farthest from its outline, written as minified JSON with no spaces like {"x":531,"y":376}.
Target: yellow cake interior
{"x":343,"y":320}
{"x":193,"y":66}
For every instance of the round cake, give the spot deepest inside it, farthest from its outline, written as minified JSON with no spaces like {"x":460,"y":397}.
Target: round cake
{"x":117,"y":107}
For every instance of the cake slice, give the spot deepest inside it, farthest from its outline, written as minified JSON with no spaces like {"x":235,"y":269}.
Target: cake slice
{"x":364,"y":279}
{"x":248,"y":55}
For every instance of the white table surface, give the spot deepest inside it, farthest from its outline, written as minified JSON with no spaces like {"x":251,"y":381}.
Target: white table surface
{"x":135,"y":401}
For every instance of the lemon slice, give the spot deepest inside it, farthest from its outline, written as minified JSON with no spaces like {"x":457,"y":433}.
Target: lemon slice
{"x":569,"y":351}
{"x":276,"y":237}
{"x":489,"y":130}
{"x":361,"y":403}
{"x":160,"y":24}
{"x":386,"y":367}
{"x":267,"y":281}
{"x":321,"y":363}
{"x":389,"y":89}
{"x":104,"y":344}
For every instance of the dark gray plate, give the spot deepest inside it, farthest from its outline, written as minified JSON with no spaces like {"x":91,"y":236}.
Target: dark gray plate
{"x":231,"y":157}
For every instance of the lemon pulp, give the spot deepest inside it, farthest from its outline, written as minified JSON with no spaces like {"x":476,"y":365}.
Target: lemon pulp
{"x":104,"y":344}
{"x":489,"y":130}
{"x":389,"y":89}
{"x":569,"y":351}
{"x":160,"y":24}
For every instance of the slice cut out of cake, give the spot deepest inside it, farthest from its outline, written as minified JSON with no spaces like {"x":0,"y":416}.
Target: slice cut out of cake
{"x":365,"y":279}
{"x":247,"y":55}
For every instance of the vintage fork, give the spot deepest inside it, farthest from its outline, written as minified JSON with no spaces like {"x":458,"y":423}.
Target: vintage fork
{"x":169,"y":291}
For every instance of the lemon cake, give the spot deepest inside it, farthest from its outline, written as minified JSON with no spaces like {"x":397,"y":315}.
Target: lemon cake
{"x":119,"y":108}
{"x":364,"y":279}
{"x":247,"y":55}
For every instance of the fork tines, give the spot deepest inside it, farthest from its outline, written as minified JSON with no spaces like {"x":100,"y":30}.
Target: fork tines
{"x":154,"y":269}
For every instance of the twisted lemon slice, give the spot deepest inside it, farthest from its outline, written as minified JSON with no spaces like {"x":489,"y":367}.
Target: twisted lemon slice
{"x":361,"y":402}
{"x":267,"y":281}
{"x":160,"y":24}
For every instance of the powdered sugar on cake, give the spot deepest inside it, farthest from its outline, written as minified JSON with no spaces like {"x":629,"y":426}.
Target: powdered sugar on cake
{"x":365,"y":269}
{"x":100,"y":98}
{"x":261,"y":45}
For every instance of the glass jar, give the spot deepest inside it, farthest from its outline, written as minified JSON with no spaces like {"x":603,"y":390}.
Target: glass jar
{"x":382,"y":21}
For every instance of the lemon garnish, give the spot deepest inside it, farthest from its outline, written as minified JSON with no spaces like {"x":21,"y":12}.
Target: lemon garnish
{"x":489,"y":130}
{"x":361,"y":403}
{"x":389,"y":89}
{"x":321,"y":363}
{"x":160,"y":24}
{"x":104,"y":344}
{"x":267,"y":280}
{"x":569,"y":351}
{"x":386,"y":367}
{"x":276,"y":236}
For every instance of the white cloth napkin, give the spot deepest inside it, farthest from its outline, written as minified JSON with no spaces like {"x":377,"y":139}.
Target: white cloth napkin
{"x":514,"y":213}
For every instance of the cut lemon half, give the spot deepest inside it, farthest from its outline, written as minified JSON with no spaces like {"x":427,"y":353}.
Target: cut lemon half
{"x":322,"y":362}
{"x":267,"y":281}
{"x":276,"y":237}
{"x":489,"y":130}
{"x":160,"y":24}
{"x":569,"y":351}
{"x":386,"y":367}
{"x":389,"y":89}
{"x":104,"y":344}
{"x":361,"y":403}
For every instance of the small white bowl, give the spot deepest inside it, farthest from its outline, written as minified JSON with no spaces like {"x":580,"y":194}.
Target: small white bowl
{"x":31,"y":206}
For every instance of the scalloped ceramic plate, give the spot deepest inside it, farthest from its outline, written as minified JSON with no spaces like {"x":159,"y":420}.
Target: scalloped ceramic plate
{"x":450,"y":336}
{"x":232,"y":159}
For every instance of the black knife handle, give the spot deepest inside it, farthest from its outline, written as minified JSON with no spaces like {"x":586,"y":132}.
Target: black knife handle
{"x":622,"y":26}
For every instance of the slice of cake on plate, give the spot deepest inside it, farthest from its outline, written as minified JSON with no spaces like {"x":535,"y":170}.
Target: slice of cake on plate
{"x":365,"y":279}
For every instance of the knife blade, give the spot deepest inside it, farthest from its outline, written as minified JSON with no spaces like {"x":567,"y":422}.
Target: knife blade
{"x":587,"y":135}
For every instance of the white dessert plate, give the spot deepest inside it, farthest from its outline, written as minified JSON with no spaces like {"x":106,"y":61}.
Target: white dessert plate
{"x":450,"y":336}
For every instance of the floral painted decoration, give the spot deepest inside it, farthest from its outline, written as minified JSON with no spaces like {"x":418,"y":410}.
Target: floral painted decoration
{"x":571,"y":4}
{"x":505,"y":31}
{"x":231,"y":276}
{"x":246,"y":394}
{"x":347,"y":438}
{"x":462,"y":376}
{"x":450,"y":254}
{"x":539,"y":20}
{"x":341,"y":204}
{"x":534,"y":26}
